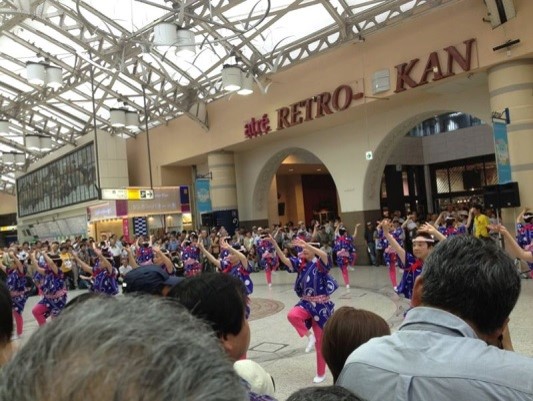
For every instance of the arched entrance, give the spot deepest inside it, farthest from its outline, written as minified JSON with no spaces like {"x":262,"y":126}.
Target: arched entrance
{"x":295,"y":185}
{"x":430,"y":160}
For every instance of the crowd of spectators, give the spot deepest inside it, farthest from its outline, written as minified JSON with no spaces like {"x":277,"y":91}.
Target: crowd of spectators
{"x":173,"y":338}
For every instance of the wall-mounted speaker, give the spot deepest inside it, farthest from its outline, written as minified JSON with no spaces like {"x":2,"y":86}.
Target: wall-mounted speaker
{"x":502,"y":196}
{"x":500,"y":11}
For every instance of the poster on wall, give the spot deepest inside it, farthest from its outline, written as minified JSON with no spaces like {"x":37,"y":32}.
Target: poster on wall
{"x":66,"y":181}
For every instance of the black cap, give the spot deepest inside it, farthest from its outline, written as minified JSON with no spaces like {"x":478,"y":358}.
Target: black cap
{"x":148,"y":280}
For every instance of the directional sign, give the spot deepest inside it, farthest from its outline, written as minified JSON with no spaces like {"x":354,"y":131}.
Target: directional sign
{"x":141,"y":194}
{"x":127,"y":194}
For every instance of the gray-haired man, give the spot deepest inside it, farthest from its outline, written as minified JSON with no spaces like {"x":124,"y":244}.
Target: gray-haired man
{"x":452,"y":345}
{"x":123,"y":349}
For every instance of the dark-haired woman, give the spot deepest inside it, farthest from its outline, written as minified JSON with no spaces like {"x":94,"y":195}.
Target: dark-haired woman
{"x":347,"y":330}
{"x":16,"y":283}
{"x":412,"y":264}
{"x":54,"y":289}
{"x":105,"y":275}
{"x":268,"y":259}
{"x":344,"y":249}
{"x":234,"y":262}
{"x":524,"y":234}
{"x":190,"y":255}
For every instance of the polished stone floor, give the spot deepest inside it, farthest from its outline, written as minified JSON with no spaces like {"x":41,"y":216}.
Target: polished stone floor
{"x":278,"y":348}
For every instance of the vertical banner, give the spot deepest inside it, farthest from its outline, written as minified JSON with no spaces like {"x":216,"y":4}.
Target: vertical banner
{"x":203,"y":196}
{"x":126,"y":229}
{"x":140,"y":226}
{"x":184,"y":199}
{"x":501,"y":149}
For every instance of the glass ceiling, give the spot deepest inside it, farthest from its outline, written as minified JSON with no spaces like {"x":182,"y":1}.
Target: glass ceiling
{"x":113,"y":40}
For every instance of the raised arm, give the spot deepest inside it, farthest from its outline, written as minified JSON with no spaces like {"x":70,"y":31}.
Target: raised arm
{"x":161,"y":257}
{"x":355,"y":231}
{"x":512,"y":246}
{"x":439,"y":220}
{"x":84,"y":266}
{"x":385,"y":226}
{"x":131,"y":260}
{"x":208,"y":255}
{"x":51,"y":264}
{"x":282,"y":258}
{"x":430,"y":229}
{"x":314,"y":236}
{"x":34,"y":264}
{"x":318,"y":252}
{"x":242,"y":258}
{"x":470,"y":217}
{"x":104,"y":262}
{"x":16,"y":261}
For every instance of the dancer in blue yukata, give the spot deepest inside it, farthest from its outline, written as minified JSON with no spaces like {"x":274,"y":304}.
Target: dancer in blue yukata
{"x":411,"y":263}
{"x":104,"y":274}
{"x":313,"y":285}
{"x":54,"y":289}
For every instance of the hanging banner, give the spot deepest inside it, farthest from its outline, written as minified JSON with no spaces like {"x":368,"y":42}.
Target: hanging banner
{"x":501,"y":149}
{"x":184,"y":199}
{"x":203,"y":196}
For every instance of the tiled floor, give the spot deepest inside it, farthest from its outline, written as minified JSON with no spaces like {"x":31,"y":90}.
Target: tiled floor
{"x":277,"y":347}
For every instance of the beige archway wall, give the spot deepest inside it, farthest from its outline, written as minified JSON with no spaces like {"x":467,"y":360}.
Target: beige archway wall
{"x":340,"y":140}
{"x":342,"y":150}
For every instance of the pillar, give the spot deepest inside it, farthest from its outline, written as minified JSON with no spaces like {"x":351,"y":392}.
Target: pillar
{"x":223,"y":190}
{"x":511,"y":85}
{"x":223,"y":183}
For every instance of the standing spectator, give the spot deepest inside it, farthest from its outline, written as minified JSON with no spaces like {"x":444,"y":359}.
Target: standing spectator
{"x":379,"y":246}
{"x":370,"y":243}
{"x":481,"y":222}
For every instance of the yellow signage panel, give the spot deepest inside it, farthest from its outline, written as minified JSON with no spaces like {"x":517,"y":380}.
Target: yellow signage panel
{"x":8,"y":228}
{"x":127,"y":194}
{"x":140,"y":194}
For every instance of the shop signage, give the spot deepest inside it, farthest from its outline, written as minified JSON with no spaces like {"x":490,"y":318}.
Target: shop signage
{"x":317,"y":106}
{"x":127,"y":194}
{"x":255,"y":128}
{"x":433,"y":68}
{"x":166,"y":201}
{"x":107,"y":210}
{"x":8,"y":228}
{"x":314,"y":107}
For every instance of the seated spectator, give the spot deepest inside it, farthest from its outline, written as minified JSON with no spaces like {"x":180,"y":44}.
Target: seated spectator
{"x":258,"y":378}
{"x":453,"y":343}
{"x":6,"y":324}
{"x":220,"y":300}
{"x":327,"y":393}
{"x":123,"y":349}
{"x":345,"y":331}
{"x":149,"y":280}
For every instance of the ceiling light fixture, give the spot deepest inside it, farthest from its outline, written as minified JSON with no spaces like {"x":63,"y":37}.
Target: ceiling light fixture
{"x":247,"y":81}
{"x":231,"y":77}
{"x":4,"y":127}
{"x":186,"y":43}
{"x":38,"y":143}
{"x":43,"y":74}
{"x":124,"y":117}
{"x":117,"y":117}
{"x":8,"y":158}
